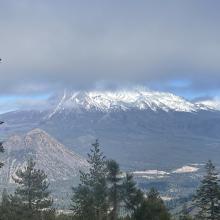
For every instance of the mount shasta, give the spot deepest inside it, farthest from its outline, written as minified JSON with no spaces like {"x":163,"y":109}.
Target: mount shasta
{"x":140,"y":129}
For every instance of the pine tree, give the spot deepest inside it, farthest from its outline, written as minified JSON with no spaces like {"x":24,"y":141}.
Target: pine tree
{"x":132,"y":196}
{"x":185,"y":214}
{"x":17,"y":209}
{"x":207,"y":198}
{"x":5,"y":206}
{"x":90,"y":196}
{"x":82,"y":202}
{"x":98,"y":184}
{"x":152,"y":208}
{"x":49,"y":214}
{"x":115,"y":187}
{"x":32,"y":194}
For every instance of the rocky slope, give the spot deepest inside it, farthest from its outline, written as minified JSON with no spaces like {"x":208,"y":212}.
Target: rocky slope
{"x":55,"y":159}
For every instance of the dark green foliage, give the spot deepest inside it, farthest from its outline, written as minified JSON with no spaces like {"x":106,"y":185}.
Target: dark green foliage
{"x":115,"y":193}
{"x":185,"y":214}
{"x":82,"y":202}
{"x":97,"y":179}
{"x":90,"y":197}
{"x":49,"y":214}
{"x":208,"y":195}
{"x":5,"y":206}
{"x":152,"y":208}
{"x":132,"y":196}
{"x":31,"y":196}
{"x":17,"y":210}
{"x":66,"y":217}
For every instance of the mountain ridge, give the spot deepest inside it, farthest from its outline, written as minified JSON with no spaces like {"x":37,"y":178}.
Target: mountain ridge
{"x":125,"y":100}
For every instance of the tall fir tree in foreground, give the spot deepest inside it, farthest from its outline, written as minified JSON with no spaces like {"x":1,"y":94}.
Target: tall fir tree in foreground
{"x":32,"y":196}
{"x":207,"y":198}
{"x":132,"y":196}
{"x":5,"y":206}
{"x":89,"y":199}
{"x":115,"y":193}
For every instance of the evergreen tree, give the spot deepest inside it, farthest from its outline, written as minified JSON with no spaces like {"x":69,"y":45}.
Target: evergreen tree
{"x":185,"y":214}
{"x":49,"y":214}
{"x":82,"y":202}
{"x":32,"y":194}
{"x":132,"y":196}
{"x":115,"y":188}
{"x":17,"y":210}
{"x":207,"y":198}
{"x":152,"y":208}
{"x":93,"y":186}
{"x":5,"y":206}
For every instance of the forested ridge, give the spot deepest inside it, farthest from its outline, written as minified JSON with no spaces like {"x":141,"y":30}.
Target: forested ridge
{"x":104,"y":193}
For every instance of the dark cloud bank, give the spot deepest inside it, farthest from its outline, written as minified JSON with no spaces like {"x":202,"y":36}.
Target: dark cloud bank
{"x":48,"y":45}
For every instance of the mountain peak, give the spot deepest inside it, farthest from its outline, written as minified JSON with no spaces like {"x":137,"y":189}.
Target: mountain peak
{"x":48,"y":153}
{"x":37,"y":131}
{"x":124,"y":100}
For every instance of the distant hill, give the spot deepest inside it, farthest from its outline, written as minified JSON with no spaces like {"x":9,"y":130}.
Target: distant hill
{"x":55,"y":159}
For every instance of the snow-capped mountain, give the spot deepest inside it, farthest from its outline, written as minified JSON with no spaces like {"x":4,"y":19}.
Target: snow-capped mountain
{"x":138,"y":128}
{"x":108,"y":101}
{"x":142,"y":130}
{"x":55,"y":159}
{"x":211,"y":104}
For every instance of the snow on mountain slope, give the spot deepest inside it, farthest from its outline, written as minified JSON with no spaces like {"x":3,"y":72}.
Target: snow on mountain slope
{"x":58,"y":162}
{"x":106,"y":101}
{"x":213,"y":104}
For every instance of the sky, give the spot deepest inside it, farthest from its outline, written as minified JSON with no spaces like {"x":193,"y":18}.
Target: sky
{"x":49,"y":45}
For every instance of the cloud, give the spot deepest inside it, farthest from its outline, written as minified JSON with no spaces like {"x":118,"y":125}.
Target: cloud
{"x":47,"y":46}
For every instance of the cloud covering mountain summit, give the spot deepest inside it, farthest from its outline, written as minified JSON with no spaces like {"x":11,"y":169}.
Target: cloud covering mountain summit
{"x":45,"y":46}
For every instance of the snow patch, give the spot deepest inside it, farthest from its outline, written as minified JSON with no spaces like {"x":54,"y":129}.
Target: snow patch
{"x":186,"y":169}
{"x":151,"y":172}
{"x":166,"y":198}
{"x":212,"y":104}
